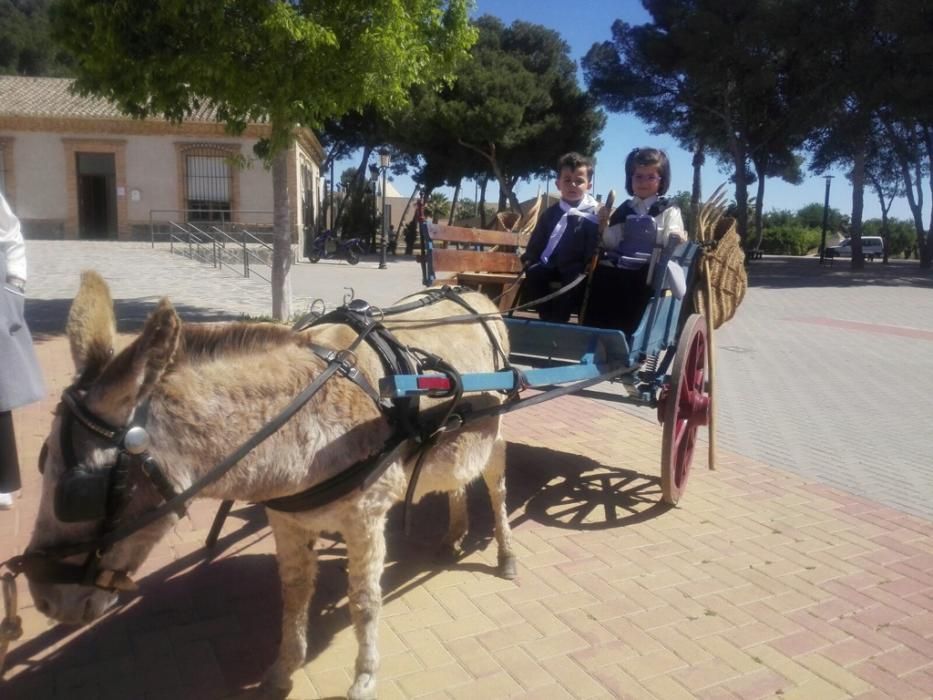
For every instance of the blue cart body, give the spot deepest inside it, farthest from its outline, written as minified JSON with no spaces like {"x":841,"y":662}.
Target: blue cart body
{"x":559,"y":353}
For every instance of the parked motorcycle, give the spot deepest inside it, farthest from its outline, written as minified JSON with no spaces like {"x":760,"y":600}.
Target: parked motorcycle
{"x":327,"y":245}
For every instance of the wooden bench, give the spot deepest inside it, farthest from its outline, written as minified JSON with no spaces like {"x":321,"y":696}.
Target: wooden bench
{"x":477,"y":258}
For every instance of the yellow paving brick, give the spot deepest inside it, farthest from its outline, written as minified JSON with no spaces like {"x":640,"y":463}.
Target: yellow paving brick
{"x":302,"y":687}
{"x":667,"y":688}
{"x":394,"y":665}
{"x":625,"y":631}
{"x":523,"y":668}
{"x":474,"y":657}
{"x":834,"y":673}
{"x":457,"y":603}
{"x":723,"y":649}
{"x":653,"y":664}
{"x":816,"y":688}
{"x":419,"y":619}
{"x":497,"y":685}
{"x":698,"y":677}
{"x":571,"y":676}
{"x":555,"y":645}
{"x":502,"y":637}
{"x":468,"y":626}
{"x":584,"y":623}
{"x":565,"y":601}
{"x":334,"y":683}
{"x":777,"y":661}
{"x":687,"y":649}
{"x":432,"y":679}
{"x":431,"y":652}
{"x":497,"y":609}
{"x":540,"y":618}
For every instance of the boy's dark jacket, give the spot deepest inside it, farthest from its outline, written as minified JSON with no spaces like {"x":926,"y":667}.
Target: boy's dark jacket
{"x":576,"y":248}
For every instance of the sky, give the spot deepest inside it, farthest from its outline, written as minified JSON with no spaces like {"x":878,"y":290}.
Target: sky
{"x":583,"y":25}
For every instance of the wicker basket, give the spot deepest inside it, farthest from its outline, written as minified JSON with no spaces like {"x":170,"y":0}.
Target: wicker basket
{"x":723,"y":261}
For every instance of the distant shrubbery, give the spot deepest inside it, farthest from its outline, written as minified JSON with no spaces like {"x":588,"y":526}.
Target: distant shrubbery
{"x":789,"y":239}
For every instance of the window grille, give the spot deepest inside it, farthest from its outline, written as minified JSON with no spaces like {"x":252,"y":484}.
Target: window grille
{"x":208,"y":181}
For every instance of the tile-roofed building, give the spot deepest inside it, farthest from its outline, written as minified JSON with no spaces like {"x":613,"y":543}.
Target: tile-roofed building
{"x":76,"y":167}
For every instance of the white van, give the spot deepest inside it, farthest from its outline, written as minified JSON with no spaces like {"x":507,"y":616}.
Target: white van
{"x":872,"y":247}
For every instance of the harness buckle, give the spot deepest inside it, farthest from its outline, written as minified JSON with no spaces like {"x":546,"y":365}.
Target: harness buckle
{"x":347,"y":360}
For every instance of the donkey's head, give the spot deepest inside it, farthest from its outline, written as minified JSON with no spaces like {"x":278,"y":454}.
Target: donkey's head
{"x":93,"y":476}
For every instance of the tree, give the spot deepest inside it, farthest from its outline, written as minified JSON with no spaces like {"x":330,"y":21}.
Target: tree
{"x":513,"y":110}
{"x":26,"y":47}
{"x":724,"y":78}
{"x":281,"y":62}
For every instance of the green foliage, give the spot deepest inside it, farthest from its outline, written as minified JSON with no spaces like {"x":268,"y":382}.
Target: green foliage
{"x":789,"y":239}
{"x":278,"y":61}
{"x":811,"y":216}
{"x":25,"y":45}
{"x":513,"y":110}
{"x":437,"y":207}
{"x":900,"y":238}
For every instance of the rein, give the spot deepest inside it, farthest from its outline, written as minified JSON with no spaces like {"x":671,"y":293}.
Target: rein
{"x":39,"y":564}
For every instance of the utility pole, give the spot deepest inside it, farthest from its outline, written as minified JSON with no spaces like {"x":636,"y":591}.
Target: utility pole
{"x":828,"y":179}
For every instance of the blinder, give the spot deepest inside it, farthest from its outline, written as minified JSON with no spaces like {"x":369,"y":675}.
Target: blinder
{"x":83,"y":494}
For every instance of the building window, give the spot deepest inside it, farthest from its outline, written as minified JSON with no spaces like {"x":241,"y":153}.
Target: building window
{"x":208,"y":185}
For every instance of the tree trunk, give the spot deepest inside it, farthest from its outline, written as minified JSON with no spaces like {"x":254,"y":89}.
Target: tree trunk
{"x":281,"y":238}
{"x":760,"y":169}
{"x":699,"y":157}
{"x":907,"y":156}
{"x":482,"y":202}
{"x":925,"y":244}
{"x":453,"y":204}
{"x":858,"y":204}
{"x":739,"y":160}
{"x":885,"y":208}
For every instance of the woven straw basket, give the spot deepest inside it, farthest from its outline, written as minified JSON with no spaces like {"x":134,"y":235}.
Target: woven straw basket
{"x":727,"y":274}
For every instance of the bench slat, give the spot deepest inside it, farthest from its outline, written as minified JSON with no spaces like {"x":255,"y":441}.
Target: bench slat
{"x":461,"y":234}
{"x":475,"y":261}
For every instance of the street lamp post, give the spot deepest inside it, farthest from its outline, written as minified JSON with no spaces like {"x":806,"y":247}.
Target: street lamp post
{"x":828,"y":179}
{"x":384,"y":160}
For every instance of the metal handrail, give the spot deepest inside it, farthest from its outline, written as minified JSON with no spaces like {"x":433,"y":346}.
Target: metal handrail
{"x":195,"y":237}
{"x":246,"y":251}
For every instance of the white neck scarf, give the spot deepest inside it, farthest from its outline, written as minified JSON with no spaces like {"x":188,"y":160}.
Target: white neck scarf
{"x":586,"y":209}
{"x":642,"y":206}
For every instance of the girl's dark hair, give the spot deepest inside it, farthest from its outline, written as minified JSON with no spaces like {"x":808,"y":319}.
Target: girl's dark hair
{"x":574,"y":160}
{"x":650,"y":157}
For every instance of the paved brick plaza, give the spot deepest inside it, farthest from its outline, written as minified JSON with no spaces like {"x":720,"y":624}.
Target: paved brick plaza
{"x":766,"y":581}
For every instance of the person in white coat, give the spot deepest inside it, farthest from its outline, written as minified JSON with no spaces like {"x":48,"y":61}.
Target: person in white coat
{"x":20,"y":376}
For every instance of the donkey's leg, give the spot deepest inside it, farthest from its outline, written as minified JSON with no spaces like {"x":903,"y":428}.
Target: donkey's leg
{"x":297,"y":560}
{"x":458,"y":523}
{"x":366,"y":550}
{"x":494,"y":475}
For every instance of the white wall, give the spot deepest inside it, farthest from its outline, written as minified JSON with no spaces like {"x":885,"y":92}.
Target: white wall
{"x":39,"y":162}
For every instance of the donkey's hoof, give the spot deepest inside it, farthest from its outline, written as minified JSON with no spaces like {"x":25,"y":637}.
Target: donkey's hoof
{"x":508,"y":567}
{"x":448,"y":553}
{"x":277,"y":683}
{"x":363,"y":688}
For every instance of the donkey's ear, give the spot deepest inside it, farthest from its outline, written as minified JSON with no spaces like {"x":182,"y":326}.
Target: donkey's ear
{"x":157,"y":345}
{"x":91,"y":327}
{"x":132,"y":375}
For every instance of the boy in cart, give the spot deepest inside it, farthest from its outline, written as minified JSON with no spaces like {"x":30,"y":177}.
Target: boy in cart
{"x":564,"y":241}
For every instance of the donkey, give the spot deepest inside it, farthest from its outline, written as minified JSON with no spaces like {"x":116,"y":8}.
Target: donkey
{"x":198,"y":390}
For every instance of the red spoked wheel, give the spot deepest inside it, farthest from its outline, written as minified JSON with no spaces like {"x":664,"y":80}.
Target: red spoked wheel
{"x":683,"y":406}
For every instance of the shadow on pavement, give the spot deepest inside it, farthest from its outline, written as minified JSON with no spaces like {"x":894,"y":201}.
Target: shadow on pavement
{"x":787,"y":272}
{"x":209,"y":628}
{"x":47,"y":317}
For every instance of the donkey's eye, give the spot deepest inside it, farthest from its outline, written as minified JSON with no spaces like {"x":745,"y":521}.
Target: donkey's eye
{"x":43,"y":455}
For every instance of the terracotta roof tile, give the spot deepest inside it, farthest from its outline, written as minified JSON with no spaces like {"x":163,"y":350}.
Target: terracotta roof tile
{"x":52,"y":97}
